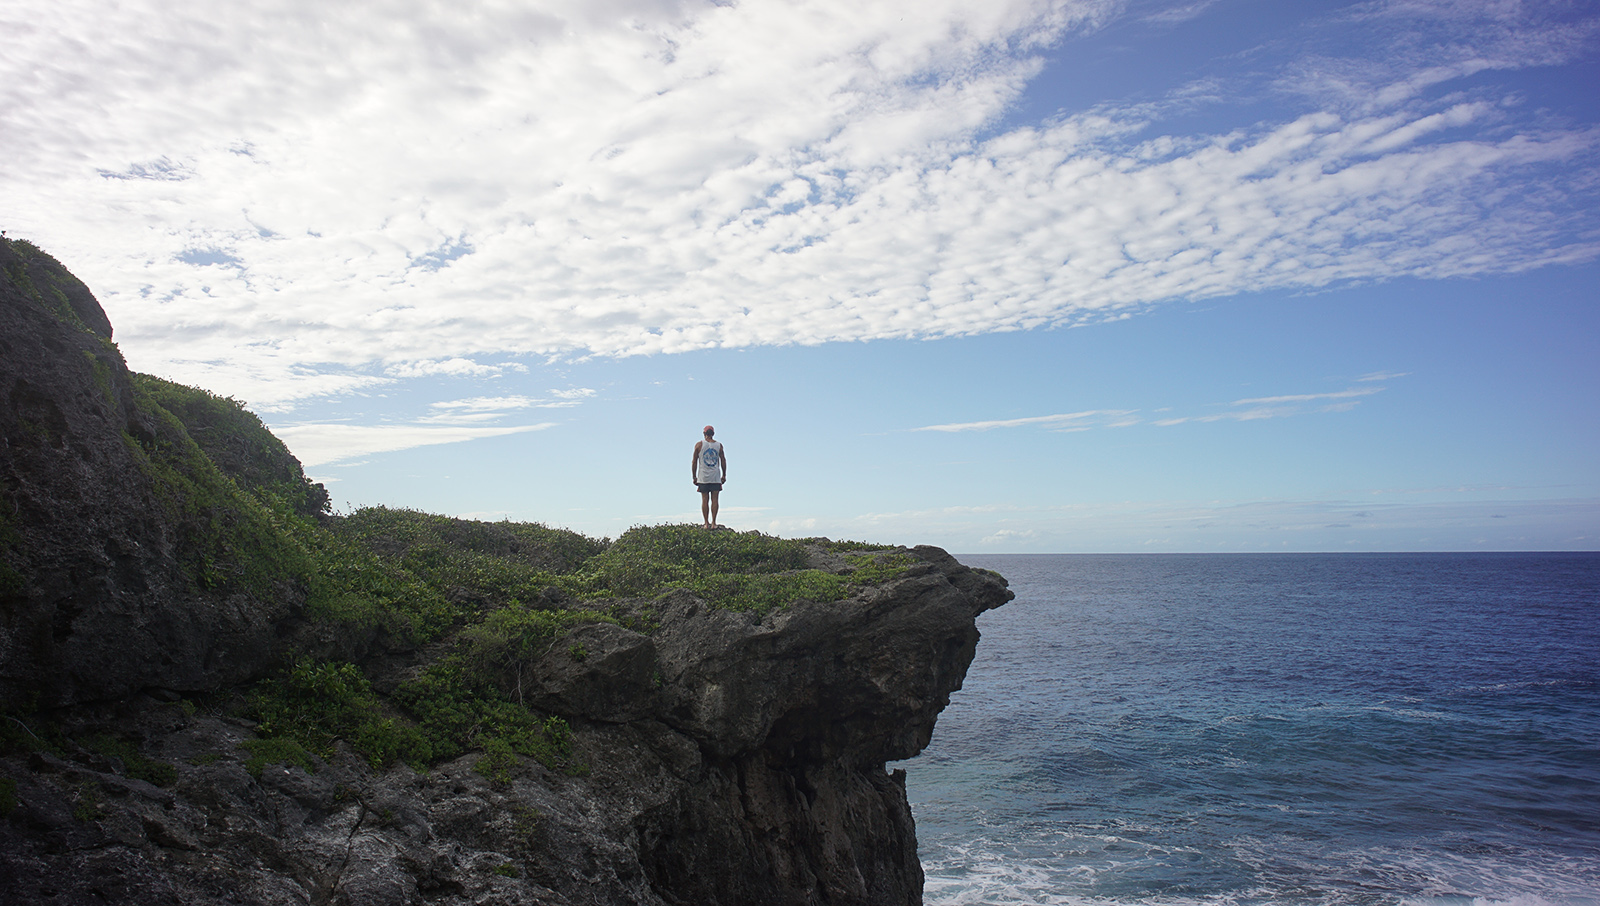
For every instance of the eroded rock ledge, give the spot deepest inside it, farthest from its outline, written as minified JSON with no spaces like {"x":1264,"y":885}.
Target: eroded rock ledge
{"x":732,"y":760}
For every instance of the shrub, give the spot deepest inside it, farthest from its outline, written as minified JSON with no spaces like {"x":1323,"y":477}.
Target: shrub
{"x":315,"y":704}
{"x":736,"y":571}
{"x":495,"y":651}
{"x":458,"y":711}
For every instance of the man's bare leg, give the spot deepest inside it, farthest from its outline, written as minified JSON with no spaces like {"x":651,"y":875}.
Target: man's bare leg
{"x":705,"y":508}
{"x":714,"y":496}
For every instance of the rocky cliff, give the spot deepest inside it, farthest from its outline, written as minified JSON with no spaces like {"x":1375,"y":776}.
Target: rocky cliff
{"x":216,"y":692}
{"x":127,"y":559}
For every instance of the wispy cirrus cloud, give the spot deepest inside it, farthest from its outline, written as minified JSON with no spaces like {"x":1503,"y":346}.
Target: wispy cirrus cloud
{"x":1250,"y":409}
{"x":1264,"y":407}
{"x":1070,"y":421}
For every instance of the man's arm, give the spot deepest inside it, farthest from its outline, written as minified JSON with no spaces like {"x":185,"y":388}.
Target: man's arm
{"x":694,"y":462}
{"x":724,"y":463}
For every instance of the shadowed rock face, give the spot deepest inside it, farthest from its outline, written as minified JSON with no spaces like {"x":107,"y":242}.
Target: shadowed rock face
{"x":795,"y":717}
{"x":732,"y":758}
{"x":100,"y":594}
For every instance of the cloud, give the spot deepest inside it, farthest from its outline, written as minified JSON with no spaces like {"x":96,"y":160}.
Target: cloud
{"x":1309,"y":397}
{"x":482,"y":409}
{"x":1264,"y":407}
{"x":1072,"y":421}
{"x":1243,"y":410}
{"x":1178,"y":14}
{"x":1009,"y":536}
{"x":453,"y":367}
{"x":305,"y":198}
{"x":317,"y":445}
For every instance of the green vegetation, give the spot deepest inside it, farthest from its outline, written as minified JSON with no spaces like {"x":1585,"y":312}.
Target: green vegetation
{"x":102,"y":377}
{"x":237,"y":443}
{"x":847,"y":546}
{"x":313,"y":704}
{"x":86,"y":802}
{"x":525,"y":821}
{"x":26,"y":261}
{"x":873,"y":568}
{"x":352,"y":583}
{"x":505,"y":594}
{"x":8,"y":796}
{"x":733,"y":571}
{"x":730,"y":570}
{"x":459,"y":710}
{"x":134,"y":764}
{"x":495,"y":651}
{"x":276,"y":750}
{"x":231,"y":540}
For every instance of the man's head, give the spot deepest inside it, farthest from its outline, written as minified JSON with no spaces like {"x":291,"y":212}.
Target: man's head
{"x":710,"y":431}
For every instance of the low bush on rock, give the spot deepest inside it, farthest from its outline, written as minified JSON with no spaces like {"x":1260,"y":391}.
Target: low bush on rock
{"x":313,"y":705}
{"x":735,"y":571}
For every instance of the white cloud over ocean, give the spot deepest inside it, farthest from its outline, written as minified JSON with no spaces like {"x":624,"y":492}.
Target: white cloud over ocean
{"x":293,"y":199}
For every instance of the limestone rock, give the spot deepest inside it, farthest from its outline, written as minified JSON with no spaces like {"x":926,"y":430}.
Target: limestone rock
{"x":754,"y":773}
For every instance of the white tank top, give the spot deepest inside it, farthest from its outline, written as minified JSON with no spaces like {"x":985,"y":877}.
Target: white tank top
{"x":709,"y":467}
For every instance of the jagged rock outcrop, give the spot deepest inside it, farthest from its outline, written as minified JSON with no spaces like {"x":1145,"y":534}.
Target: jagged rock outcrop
{"x":727,"y":757}
{"x":731,"y":760}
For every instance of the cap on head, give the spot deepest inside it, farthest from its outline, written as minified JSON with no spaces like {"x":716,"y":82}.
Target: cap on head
{"x":709,"y":430}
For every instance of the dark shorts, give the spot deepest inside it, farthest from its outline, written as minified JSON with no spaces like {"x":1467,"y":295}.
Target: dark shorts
{"x":708,"y":488}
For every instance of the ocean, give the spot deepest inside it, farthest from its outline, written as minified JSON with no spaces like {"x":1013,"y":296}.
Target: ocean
{"x":1273,"y":729}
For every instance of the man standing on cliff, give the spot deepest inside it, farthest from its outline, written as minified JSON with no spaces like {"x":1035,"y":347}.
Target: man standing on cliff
{"x":709,"y":470}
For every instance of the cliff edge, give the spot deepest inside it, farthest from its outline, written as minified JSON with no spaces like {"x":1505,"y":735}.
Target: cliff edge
{"x":215,"y":691}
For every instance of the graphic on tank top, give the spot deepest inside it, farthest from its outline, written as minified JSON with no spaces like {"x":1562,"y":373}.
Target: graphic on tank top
{"x":710,"y":462}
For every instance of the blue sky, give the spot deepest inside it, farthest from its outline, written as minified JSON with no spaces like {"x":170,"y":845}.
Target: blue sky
{"x":1078,"y":276}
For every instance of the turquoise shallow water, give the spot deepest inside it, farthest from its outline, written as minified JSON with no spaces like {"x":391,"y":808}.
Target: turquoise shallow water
{"x":1273,"y":729}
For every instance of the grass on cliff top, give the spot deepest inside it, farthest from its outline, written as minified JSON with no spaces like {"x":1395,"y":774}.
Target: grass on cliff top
{"x":425,"y":574}
{"x":508,"y":592}
{"x":745,"y":571}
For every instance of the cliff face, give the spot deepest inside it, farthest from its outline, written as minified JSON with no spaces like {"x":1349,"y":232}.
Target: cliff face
{"x":707,"y":755}
{"x":730,"y":760}
{"x":120,"y":541}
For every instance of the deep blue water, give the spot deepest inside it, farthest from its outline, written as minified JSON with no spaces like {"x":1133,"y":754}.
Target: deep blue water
{"x":1273,"y":729}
